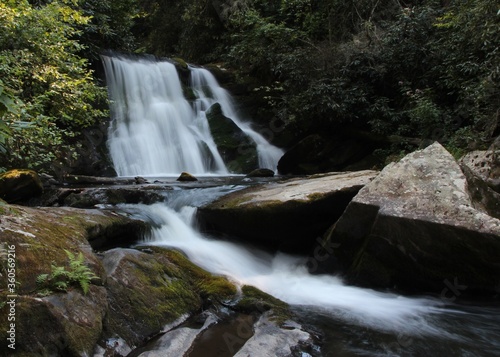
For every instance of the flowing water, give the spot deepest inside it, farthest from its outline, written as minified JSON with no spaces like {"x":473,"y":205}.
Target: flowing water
{"x":156,"y":131}
{"x":355,"y":321}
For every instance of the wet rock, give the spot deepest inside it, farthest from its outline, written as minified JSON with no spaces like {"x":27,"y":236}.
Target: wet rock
{"x":415,"y":228}
{"x":140,"y":180}
{"x":92,"y":180}
{"x":287,"y":215}
{"x":186,"y":177}
{"x":90,"y":197}
{"x":271,"y":340}
{"x":238,"y":151}
{"x":178,"y":341}
{"x":163,"y":279}
{"x":18,"y":185}
{"x":261,"y":173}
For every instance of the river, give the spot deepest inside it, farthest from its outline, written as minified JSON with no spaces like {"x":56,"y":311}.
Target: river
{"x":353,"y":321}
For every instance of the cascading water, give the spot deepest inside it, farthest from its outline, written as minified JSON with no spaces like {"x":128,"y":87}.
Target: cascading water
{"x":202,"y":81}
{"x":363,"y":322}
{"x":155,"y":131}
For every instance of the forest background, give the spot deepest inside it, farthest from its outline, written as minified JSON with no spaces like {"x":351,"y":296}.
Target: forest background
{"x":396,"y":73}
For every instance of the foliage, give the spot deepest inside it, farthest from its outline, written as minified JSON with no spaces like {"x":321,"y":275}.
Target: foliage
{"x":61,"y":279}
{"x":51,"y":84}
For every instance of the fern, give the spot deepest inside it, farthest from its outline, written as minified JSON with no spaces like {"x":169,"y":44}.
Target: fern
{"x":61,"y":279}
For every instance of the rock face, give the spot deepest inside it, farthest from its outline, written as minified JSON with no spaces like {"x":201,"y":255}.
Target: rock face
{"x":149,"y":290}
{"x":482,"y":169}
{"x":414,"y":228}
{"x":288,"y":215}
{"x":61,"y":324}
{"x":238,"y":151}
{"x":17,"y":185}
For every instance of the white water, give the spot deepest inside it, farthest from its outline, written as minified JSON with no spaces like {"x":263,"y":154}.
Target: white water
{"x":209,"y":91}
{"x":155,"y":131}
{"x":285,"y":276}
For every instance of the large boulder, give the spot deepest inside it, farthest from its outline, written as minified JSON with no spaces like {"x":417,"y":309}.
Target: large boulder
{"x":48,"y":322}
{"x":62,"y":324}
{"x":288,"y":215}
{"x":238,"y":151}
{"x":18,"y":185}
{"x":414,"y":227}
{"x":150,"y":289}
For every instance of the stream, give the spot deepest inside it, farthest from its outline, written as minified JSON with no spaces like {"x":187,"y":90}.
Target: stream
{"x":353,"y":321}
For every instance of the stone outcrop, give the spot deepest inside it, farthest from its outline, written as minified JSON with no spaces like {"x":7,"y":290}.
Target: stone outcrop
{"x":415,"y":228}
{"x":17,"y":185}
{"x":287,"y":215}
{"x":238,"y":151}
{"x":150,"y":289}
{"x":93,"y":196}
{"x":60,"y":324}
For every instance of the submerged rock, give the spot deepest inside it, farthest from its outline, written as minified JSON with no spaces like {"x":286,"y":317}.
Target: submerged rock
{"x":18,"y":185}
{"x":287,"y":215}
{"x":414,"y":227}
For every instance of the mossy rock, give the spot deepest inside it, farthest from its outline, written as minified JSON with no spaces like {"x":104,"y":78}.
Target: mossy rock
{"x":64,"y":324}
{"x":18,"y":185}
{"x":255,"y":301}
{"x":150,"y":290}
{"x":42,"y":235}
{"x":238,"y":151}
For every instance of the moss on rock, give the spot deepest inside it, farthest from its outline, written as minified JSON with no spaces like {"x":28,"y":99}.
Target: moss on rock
{"x":18,"y":185}
{"x":163,"y":279}
{"x":254,"y":300}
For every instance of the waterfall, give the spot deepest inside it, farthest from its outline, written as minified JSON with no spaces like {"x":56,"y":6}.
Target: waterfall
{"x":156,"y":131}
{"x":201,"y":80}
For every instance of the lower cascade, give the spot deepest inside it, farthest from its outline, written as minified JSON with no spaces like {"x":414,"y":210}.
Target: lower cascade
{"x":156,"y":131}
{"x":357,"y":321}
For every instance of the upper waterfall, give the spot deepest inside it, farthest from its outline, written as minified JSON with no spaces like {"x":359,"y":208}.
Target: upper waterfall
{"x":156,"y":131}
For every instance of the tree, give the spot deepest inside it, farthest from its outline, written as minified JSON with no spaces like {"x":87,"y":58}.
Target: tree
{"x":52,"y":84}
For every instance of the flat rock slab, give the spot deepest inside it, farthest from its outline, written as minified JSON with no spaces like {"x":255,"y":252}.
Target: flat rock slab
{"x":287,"y":215}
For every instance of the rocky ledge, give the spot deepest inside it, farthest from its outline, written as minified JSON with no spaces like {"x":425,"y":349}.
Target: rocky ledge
{"x":288,"y":215}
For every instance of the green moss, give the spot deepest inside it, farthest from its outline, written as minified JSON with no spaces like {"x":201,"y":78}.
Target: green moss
{"x":257,"y":301}
{"x":209,"y":286}
{"x":316,"y":196}
{"x":180,"y":62}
